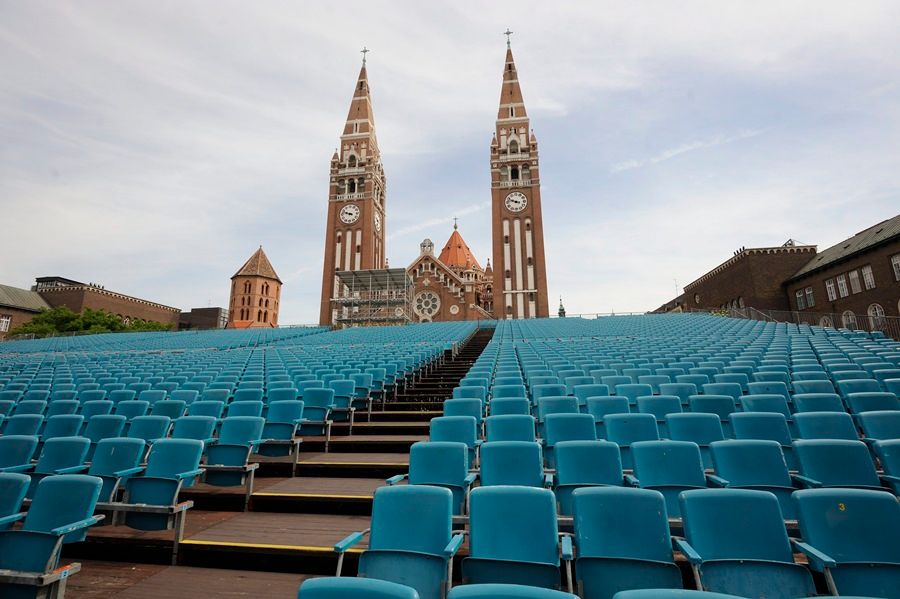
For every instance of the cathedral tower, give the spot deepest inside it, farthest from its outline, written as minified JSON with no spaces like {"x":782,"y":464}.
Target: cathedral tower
{"x":255,"y":294}
{"x":520,"y":272}
{"x":355,"y":226}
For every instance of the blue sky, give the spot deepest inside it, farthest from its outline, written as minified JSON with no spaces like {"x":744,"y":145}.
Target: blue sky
{"x":152,"y":146}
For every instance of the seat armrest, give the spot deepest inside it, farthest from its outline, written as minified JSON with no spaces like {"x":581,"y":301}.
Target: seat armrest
{"x":548,"y":481}
{"x":454,"y":545}
{"x":890,"y":479}
{"x":349,"y":541}
{"x":684,"y":547}
{"x":396,"y":479}
{"x":568,"y":550}
{"x":128,"y":472}
{"x":21,"y":468}
{"x":478,"y":442}
{"x":189,"y":474}
{"x":806,"y":482}
{"x":7,"y":520}
{"x":819,"y":560}
{"x":716,"y":481}
{"x":71,"y":470}
{"x":62,"y":530}
{"x":470,"y":478}
{"x":632,"y":481}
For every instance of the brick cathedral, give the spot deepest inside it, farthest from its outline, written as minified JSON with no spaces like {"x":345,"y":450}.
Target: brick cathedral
{"x":451,"y":285}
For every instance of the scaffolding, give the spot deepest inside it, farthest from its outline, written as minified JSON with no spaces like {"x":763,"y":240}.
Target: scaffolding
{"x":372,"y":297}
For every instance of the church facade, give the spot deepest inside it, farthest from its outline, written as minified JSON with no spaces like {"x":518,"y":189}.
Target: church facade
{"x":450,"y":285}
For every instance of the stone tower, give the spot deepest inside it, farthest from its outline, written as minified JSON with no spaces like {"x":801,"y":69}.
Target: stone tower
{"x":520,"y":272}
{"x":255,"y":294}
{"x":355,"y":225}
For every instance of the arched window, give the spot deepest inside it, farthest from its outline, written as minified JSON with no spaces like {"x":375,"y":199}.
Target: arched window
{"x":259,"y":316}
{"x":876,"y":316}
{"x":826,"y":321}
{"x":267,"y":303}
{"x":504,"y":173}
{"x":741,"y":302}
{"x":848,"y":319}
{"x":266,"y":316}
{"x":351,"y":186}
{"x":526,"y":172}
{"x":513,"y":147}
{"x":351,"y":162}
{"x":260,"y":302}
{"x":514,"y":173}
{"x":360,"y":185}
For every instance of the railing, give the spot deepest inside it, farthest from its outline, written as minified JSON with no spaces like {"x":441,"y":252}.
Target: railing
{"x":517,"y":183}
{"x":518,"y":156}
{"x":350,"y":196}
{"x":889,"y":325}
{"x":352,"y":170}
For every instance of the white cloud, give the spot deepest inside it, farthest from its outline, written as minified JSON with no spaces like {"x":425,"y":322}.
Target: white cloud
{"x":712,"y":142}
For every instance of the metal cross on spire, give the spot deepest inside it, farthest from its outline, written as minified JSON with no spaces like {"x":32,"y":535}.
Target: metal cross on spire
{"x":507,"y":33}
{"x":364,"y":51}
{"x":455,"y":226}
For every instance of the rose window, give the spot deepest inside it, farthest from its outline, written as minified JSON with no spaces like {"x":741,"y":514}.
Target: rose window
{"x":427,"y":304}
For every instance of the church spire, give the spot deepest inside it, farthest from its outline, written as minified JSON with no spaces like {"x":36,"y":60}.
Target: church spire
{"x":512,"y":105}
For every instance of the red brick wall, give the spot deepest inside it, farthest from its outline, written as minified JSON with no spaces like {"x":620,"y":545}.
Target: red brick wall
{"x":18,"y":317}
{"x":79,"y":298}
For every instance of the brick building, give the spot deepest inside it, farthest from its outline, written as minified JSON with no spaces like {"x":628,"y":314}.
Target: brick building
{"x":18,"y":306}
{"x":58,"y":291}
{"x":856,"y":279}
{"x":255,"y":294}
{"x":203,"y":318}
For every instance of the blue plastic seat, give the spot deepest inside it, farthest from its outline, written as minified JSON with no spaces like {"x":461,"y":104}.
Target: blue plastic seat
{"x":872,"y":401}
{"x":188,"y":396}
{"x":852,"y":535}
{"x":566,"y":427}
{"x":317,"y":405}
{"x":669,"y":467}
{"x":281,"y":394}
{"x":503,"y":391}
{"x":505,"y":591}
{"x":67,"y":425}
{"x":410,"y":541}
{"x":120,"y":395}
{"x":198,"y":428}
{"x":732,"y":390}
{"x":171,"y":464}
{"x":509,"y":405}
{"x":279,"y":433}
{"x":860,"y":385}
{"x":698,"y":428}
{"x":115,"y":460}
{"x":440,"y":464}
{"x":683,"y":390}
{"x":767,"y":426}
{"x":131,"y":409}
{"x":61,"y":512}
{"x":149,"y":429}
{"x":756,"y":465}
{"x":671,"y":594}
{"x":836,"y":463}
{"x":16,"y":452}
{"x":458,"y":429}
{"x":13,"y":487}
{"x":632,"y":391}
{"x":357,"y":588}
{"x":26,"y":424}
{"x":152,"y":396}
{"x":245,"y":408}
{"x":623,"y":542}
{"x":600,"y":407}
{"x":625,"y":429}
{"x":465,"y":407}
{"x":513,"y":538}
{"x":825,"y":425}
{"x":98,"y":407}
{"x":207,"y":408}
{"x":106,"y":426}
{"x":585,"y":464}
{"x":510,"y":427}
{"x":736,"y":542}
{"x":806,"y":387}
{"x":513,"y":463}
{"x":60,"y":455}
{"x":881,"y":425}
{"x":62,"y":406}
{"x":227,"y":460}
{"x":245,"y":394}
{"x":818,"y":402}
{"x":170,"y":408}
{"x":659,"y":406}
{"x":30,"y":406}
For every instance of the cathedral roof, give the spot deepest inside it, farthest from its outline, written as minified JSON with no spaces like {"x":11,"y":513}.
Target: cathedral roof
{"x":510,"y":92}
{"x":258,"y":266}
{"x":456,"y":254}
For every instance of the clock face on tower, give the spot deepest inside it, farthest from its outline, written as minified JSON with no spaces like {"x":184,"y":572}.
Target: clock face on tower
{"x":378,"y":222}
{"x":350,"y":214}
{"x":516,"y":202}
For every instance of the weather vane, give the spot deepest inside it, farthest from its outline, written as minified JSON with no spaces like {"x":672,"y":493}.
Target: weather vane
{"x":507,"y":33}
{"x":364,"y":51}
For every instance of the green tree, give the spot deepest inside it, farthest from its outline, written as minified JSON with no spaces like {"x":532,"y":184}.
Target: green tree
{"x":63,"y":320}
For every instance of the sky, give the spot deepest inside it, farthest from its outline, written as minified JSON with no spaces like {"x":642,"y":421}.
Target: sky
{"x":152,"y":146}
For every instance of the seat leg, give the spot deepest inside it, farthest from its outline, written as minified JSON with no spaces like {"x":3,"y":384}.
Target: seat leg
{"x":249,"y":489}
{"x":179,"y":535}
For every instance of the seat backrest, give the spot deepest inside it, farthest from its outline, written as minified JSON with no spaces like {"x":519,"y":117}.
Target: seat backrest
{"x":622,"y":522}
{"x":17,"y":450}
{"x":698,"y":427}
{"x":818,"y":402}
{"x":658,"y":463}
{"x":551,"y":390}
{"x":750,"y":462}
{"x":149,"y":428}
{"x":438,"y":462}
{"x":188,"y":396}
{"x":880,"y":424}
{"x":104,"y":426}
{"x":681,"y":390}
{"x":569,"y":427}
{"x":872,"y":400}
{"x":285,"y":411}
{"x":600,"y":407}
{"x":461,"y":429}
{"x":659,"y":405}
{"x":583,"y":392}
{"x":414,"y":518}
{"x":500,"y":406}
{"x":194,"y":427}
{"x":556,"y":405}
{"x":588,"y":462}
{"x":846,"y":387}
{"x":634,"y":390}
{"x":510,"y":427}
{"x":851,"y":525}
{"x":464,"y":407}
{"x":169,"y":457}
{"x":62,"y":452}
{"x":714,"y":530}
{"x":283,"y":394}
{"x":499,"y":391}
{"x":513,"y":524}
{"x":221,"y":395}
{"x":62,"y":499}
{"x":511,"y":463}
{"x":240,"y":430}
{"x":766,"y":403}
{"x":318,"y":397}
{"x":245,"y":408}
{"x":836,"y":462}
{"x":732,"y":390}
{"x":115,"y":455}
{"x":64,"y":425}
{"x":625,"y":429}
{"x":761,"y":425}
{"x":470,"y":392}
{"x":13,"y":487}
{"x":152,"y":395}
{"x":804,"y":387}
{"x":825,"y":425}
{"x":207,"y":408}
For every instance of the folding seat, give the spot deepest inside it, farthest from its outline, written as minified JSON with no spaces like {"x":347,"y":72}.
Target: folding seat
{"x":736,"y":543}
{"x":220,"y":395}
{"x":554,"y":405}
{"x":152,"y":396}
{"x":149,"y":429}
{"x":598,"y":373}
{"x":30,"y":406}
{"x":170,"y":408}
{"x":89,"y":391}
{"x":410,"y":541}
{"x":518,"y":463}
{"x":818,"y":402}
{"x":851,"y":536}
{"x":623,"y":542}
{"x":696,"y":427}
{"x":509,"y":405}
{"x":12,"y":492}
{"x":767,"y":426}
{"x":11,"y":395}
{"x":698,"y":380}
{"x":585,"y":464}
{"x":880,"y":425}
{"x":358,"y":588}
{"x":248,"y":395}
{"x":440,"y":464}
{"x":197,"y":428}
{"x":465,"y":407}
{"x":769,"y":402}
{"x":114,"y":461}
{"x":740,"y":378}
{"x":280,"y":430}
{"x":362,"y":394}
{"x":92,"y":408}
{"x":510,"y":427}
{"x":846,"y":387}
{"x":206,"y":408}
{"x":659,"y":406}
{"x":872,"y":401}
{"x":516,"y":380}
{"x":683,"y":390}
{"x":317,"y":404}
{"x":166,"y":386}
{"x":892,"y":386}
{"x":825,"y":425}
{"x":198,"y":386}
{"x":61,"y":512}
{"x":245,"y":408}
{"x":172,"y":463}
{"x":503,"y":391}
{"x":886,"y":374}
{"x":757,"y":465}
{"x":537,"y":381}
{"x":513,"y":537}
{"x":186,"y":395}
{"x":731,"y":389}
{"x":64,"y":395}
{"x":633,"y":391}
{"x":836,"y":463}
{"x":669,"y":467}
{"x":654,"y":380}
{"x":583,"y":392}
{"x":574,"y":381}
{"x":249,"y":386}
{"x":671,"y":594}
{"x":59,"y":456}
{"x":131,"y":409}
{"x":16,"y":452}
{"x":505,"y":591}
{"x":103,"y":426}
{"x":282,"y":394}
{"x":538,"y":392}
{"x":803,"y":387}
{"x":6,"y":407}
{"x":566,"y":427}
{"x":34,"y":394}
{"x":625,"y":429}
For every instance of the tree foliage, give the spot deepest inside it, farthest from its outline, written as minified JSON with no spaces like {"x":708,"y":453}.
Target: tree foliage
{"x":63,"y":320}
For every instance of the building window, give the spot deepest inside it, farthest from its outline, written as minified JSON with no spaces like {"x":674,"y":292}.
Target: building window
{"x":895,"y":263}
{"x":5,"y":321}
{"x":810,"y":300}
{"x":512,"y":111}
{"x":801,"y":299}
{"x":876,"y":316}
{"x":259,"y":316}
{"x":830,"y":290}
{"x":868,"y":277}
{"x":848,"y":319}
{"x":842,"y":286}
{"x":855,"y":287}
{"x":741,"y":302}
{"x":826,"y":321}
